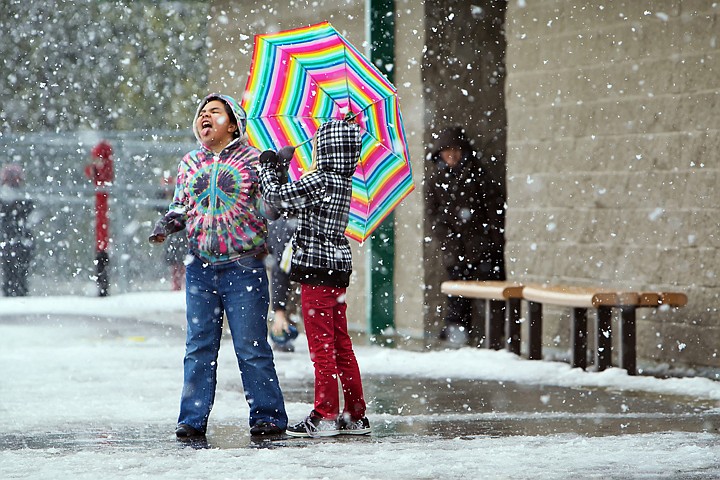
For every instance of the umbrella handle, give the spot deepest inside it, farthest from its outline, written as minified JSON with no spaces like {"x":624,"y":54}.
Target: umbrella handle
{"x":304,"y":142}
{"x":351,"y":117}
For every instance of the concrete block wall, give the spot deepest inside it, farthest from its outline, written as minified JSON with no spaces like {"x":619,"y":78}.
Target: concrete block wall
{"x":612,"y":163}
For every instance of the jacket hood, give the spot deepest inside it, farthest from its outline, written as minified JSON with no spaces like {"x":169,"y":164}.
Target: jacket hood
{"x":240,"y":116}
{"x":449,"y":138}
{"x":338,"y":147}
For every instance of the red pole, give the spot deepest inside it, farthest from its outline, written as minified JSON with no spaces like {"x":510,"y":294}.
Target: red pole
{"x":100,"y":171}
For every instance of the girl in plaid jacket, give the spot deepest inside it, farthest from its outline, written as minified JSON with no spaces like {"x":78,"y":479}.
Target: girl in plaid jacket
{"x":322,"y":264}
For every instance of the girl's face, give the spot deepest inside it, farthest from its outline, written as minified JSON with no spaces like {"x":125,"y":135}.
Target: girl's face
{"x":214,"y":126}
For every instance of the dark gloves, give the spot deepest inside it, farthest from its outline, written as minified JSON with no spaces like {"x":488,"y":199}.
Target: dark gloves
{"x":159,"y":233}
{"x":172,"y":222}
{"x":279,"y":161}
{"x":282,"y":158}
{"x":286,"y":153}
{"x":269,"y":159}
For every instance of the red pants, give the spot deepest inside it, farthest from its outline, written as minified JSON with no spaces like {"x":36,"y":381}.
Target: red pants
{"x":331,"y":352}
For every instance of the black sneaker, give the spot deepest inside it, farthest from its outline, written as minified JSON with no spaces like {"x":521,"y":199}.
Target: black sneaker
{"x":266,"y":428}
{"x":313,"y":426}
{"x":186,"y":431}
{"x":346,"y":426}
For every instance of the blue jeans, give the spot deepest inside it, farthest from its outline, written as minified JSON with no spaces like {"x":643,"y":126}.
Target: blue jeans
{"x":240,"y":289}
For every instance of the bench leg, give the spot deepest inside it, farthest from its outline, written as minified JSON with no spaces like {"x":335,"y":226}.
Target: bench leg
{"x":476,"y":334}
{"x":603,"y":337}
{"x":495,"y":323}
{"x":534,"y":331}
{"x":512,"y":322}
{"x":628,"y":354}
{"x":579,"y":337}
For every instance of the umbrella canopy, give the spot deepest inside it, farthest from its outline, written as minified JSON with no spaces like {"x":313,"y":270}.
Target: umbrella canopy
{"x":303,"y":77}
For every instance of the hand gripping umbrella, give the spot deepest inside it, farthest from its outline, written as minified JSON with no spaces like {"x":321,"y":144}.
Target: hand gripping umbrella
{"x":303,"y":77}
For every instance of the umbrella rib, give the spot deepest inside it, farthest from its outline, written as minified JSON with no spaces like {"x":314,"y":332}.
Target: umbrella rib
{"x":373,"y":103}
{"x":307,"y":72}
{"x":347,"y":83}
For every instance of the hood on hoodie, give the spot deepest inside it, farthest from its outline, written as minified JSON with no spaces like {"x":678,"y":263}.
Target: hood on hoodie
{"x":338,"y":147}
{"x":451,"y":137}
{"x":238,"y":112}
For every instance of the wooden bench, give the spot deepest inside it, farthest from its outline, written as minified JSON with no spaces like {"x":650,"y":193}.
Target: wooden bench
{"x":502,"y":309}
{"x":579,"y":299}
{"x":628,"y":352}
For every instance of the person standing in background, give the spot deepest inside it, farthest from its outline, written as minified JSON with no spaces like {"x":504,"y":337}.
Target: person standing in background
{"x":283,"y":330}
{"x":16,"y":240}
{"x":100,"y":171}
{"x":465,"y":206}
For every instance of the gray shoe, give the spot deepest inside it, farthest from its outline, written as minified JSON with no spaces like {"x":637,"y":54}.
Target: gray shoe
{"x":353,"y":427}
{"x":313,"y":426}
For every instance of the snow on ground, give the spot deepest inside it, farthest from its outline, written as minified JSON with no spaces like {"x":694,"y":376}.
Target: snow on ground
{"x":168,"y":307}
{"x":86,"y":399}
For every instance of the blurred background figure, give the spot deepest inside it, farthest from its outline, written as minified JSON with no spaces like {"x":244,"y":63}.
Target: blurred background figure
{"x":465,"y":206}
{"x":285,"y":314}
{"x":100,"y":171}
{"x":283,"y":329}
{"x":16,"y":239}
{"x":175,"y":245}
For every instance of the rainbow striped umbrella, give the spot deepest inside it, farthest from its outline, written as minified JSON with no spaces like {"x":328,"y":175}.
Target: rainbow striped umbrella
{"x":303,"y":77}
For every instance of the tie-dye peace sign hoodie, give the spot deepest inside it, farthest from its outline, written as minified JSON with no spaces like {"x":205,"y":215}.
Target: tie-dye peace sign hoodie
{"x":217,"y":199}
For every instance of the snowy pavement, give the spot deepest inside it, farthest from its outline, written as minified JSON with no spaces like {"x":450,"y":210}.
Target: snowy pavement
{"x":91,"y":390}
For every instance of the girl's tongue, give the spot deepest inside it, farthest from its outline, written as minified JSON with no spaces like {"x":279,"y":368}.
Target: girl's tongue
{"x":205,"y":127}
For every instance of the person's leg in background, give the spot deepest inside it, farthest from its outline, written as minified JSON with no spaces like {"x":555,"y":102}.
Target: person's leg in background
{"x":103,"y":280}
{"x":458,"y":312}
{"x":281,"y":324}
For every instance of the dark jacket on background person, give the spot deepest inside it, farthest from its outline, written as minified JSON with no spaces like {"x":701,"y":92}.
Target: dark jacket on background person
{"x":321,"y":201}
{"x":466,"y":210}
{"x":16,"y":239}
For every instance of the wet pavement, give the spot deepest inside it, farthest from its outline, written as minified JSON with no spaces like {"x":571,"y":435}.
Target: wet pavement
{"x":418,"y":410}
{"x":408,"y":409}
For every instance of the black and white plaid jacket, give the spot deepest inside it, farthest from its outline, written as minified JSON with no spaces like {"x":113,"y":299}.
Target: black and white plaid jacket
{"x":321,"y":201}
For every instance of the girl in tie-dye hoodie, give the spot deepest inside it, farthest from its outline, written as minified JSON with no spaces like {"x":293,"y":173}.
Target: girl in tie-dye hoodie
{"x":217,"y":202}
